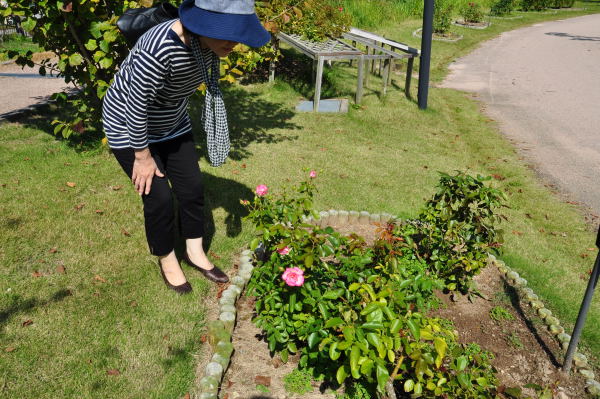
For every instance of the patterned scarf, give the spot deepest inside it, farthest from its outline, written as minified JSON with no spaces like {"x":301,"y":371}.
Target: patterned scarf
{"x":214,"y":115}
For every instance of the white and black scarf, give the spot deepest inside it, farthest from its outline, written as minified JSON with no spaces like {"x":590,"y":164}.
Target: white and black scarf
{"x":214,"y":115}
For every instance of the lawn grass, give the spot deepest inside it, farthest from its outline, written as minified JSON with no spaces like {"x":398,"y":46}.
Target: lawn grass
{"x":18,"y":43}
{"x":110,"y":310}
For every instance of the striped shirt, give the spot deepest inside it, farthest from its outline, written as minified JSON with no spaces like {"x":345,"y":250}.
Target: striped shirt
{"x":148,"y":99}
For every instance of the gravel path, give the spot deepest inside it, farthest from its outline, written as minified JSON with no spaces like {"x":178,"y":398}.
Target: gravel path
{"x":21,"y":88}
{"x":542,"y":84}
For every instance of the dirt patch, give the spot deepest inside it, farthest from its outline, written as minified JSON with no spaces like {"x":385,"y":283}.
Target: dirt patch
{"x":525,"y":352}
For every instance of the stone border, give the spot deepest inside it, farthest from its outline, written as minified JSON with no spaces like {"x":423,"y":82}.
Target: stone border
{"x":462,"y":24}
{"x":417,"y":32}
{"x":552,"y":323}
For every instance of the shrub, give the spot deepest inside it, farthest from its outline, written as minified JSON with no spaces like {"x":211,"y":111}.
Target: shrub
{"x":354,"y":312}
{"x":456,"y":229}
{"x":442,"y":16}
{"x":471,"y":12}
{"x":535,"y":5}
{"x":502,"y":7}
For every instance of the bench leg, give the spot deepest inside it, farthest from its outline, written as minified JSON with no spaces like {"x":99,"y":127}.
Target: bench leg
{"x":359,"y":86}
{"x":318,"y":79}
{"x":409,"y":69}
{"x":386,"y":74}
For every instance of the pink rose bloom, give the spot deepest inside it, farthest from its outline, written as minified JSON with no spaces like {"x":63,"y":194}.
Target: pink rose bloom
{"x":261,"y":190}
{"x":341,"y":9}
{"x":312,"y":174}
{"x":284,"y":251}
{"x":293,"y":276}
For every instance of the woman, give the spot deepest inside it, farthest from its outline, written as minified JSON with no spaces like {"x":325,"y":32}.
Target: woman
{"x":148,"y":129}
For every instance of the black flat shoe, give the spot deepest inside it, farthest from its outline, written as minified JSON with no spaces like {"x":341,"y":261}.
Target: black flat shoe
{"x":184,"y":288}
{"x":215,"y":274}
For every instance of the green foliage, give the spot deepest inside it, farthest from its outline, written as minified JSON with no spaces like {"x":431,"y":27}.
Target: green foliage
{"x":357,"y":390}
{"x":298,"y":381}
{"x":442,"y":16}
{"x":471,"y":12}
{"x":534,"y":5}
{"x":499,"y":313}
{"x":456,"y":229}
{"x":358,"y":315}
{"x":514,"y":340}
{"x":502,"y":7}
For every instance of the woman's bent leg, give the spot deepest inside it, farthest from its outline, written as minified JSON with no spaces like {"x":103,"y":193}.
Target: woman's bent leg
{"x":158,"y":206}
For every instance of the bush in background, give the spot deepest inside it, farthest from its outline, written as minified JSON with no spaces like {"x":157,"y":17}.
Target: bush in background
{"x":534,"y":5}
{"x":502,"y":7}
{"x":471,"y":12}
{"x":442,"y":16}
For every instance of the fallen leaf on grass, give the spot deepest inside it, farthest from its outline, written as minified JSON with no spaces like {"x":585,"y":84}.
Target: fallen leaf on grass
{"x":60,"y":269}
{"x":573,"y":202}
{"x":165,"y":337}
{"x":528,"y":216}
{"x":133,"y":304}
{"x":53,"y":250}
{"x":116,"y":188}
{"x":125,"y":232}
{"x":9,"y":349}
{"x":27,"y":323}
{"x":518,"y":233}
{"x":99,"y":211}
{"x":591,"y":249}
{"x":243,"y":166}
{"x":542,"y":230}
{"x":220,"y":290}
{"x":186,"y":396}
{"x":214,"y":255}
{"x":498,"y":177}
{"x":584,"y":255}
{"x":78,"y":207}
{"x":71,"y":184}
{"x":99,"y":278}
{"x":36,"y":274}
{"x":203,"y":338}
{"x":113,"y":372}
{"x":262,"y":380}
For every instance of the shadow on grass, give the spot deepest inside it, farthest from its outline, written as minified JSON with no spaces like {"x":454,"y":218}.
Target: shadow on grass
{"x":512,"y":293}
{"x":20,"y":305}
{"x":251,"y":120}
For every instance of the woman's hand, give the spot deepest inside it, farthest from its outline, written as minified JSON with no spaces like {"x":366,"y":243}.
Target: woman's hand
{"x":144,"y":169}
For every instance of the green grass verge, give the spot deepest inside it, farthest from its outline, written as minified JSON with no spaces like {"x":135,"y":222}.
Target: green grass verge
{"x":110,"y":310}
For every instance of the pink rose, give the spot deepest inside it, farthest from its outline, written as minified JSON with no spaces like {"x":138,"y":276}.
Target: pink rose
{"x":312,"y":174}
{"x":261,"y":190}
{"x":284,"y":251}
{"x":293,"y":276}
{"x":341,"y":9}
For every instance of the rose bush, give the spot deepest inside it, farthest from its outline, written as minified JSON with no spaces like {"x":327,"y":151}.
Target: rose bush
{"x":353,"y":311}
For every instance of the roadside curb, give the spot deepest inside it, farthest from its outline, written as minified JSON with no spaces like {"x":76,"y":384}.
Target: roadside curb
{"x":552,"y":323}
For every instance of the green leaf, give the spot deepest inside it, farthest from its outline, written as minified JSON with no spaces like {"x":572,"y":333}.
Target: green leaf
{"x":254,"y":244}
{"x":75,"y":59}
{"x":110,"y":35}
{"x":292,"y":347}
{"x":395,"y":326}
{"x":95,"y":29}
{"x":334,"y":294}
{"x":418,"y":388}
{"x":373,"y":339}
{"x":341,"y":374}
{"x":354,"y":356}
{"x":91,"y":45}
{"x":464,"y":380}
{"x":106,"y":62}
{"x":336,"y":321}
{"x":414,"y":330}
{"x":482,"y":381}
{"x":104,"y":46}
{"x":382,"y":376}
{"x":461,"y":363}
{"x":284,"y":355}
{"x":353,"y":287}
{"x":308,"y":260}
{"x":366,"y":367}
{"x":440,"y":347}
{"x":409,"y":385}
{"x":313,"y":339}
{"x":334,"y":354}
{"x":29,"y":24}
{"x":372,"y":326}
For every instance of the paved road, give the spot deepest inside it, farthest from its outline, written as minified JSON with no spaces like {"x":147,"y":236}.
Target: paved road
{"x":20,"y":88}
{"x":542,"y":83}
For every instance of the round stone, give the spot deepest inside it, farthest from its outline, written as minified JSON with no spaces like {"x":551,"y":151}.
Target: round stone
{"x":353,"y":216}
{"x":224,"y":349}
{"x":208,"y":395}
{"x":227,"y":300}
{"x":222,"y":360}
{"x":364,"y":217}
{"x":551,"y":321}
{"x":343,"y":215}
{"x":564,"y":338}
{"x":521,"y":282}
{"x":512,"y":275}
{"x":543,"y":313}
{"x":228,"y":308}
{"x":245,"y":259}
{"x":209,"y":384}
{"x":593,"y":387}
{"x":531,"y":297}
{"x":228,"y":319}
{"x":556,"y":329}
{"x":537,"y":304}
{"x":214,"y":369}
{"x":375,"y":217}
{"x":246,"y":252}
{"x":580,"y":359}
{"x":238,"y":281}
{"x":589,"y":374}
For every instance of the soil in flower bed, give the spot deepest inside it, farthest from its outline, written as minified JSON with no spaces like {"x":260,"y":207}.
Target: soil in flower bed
{"x":525,"y":352}
{"x":480,"y":25}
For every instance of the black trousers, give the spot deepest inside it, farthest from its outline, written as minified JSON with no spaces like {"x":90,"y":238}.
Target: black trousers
{"x":178,"y":161}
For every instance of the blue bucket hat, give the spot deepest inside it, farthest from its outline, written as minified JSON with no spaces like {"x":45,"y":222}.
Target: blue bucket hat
{"x":233,"y":20}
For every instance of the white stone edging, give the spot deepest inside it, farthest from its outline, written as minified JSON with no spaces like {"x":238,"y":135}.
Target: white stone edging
{"x":552,"y":323}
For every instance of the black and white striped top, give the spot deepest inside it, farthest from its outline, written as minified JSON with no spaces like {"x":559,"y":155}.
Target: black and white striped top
{"x":148,"y":99}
